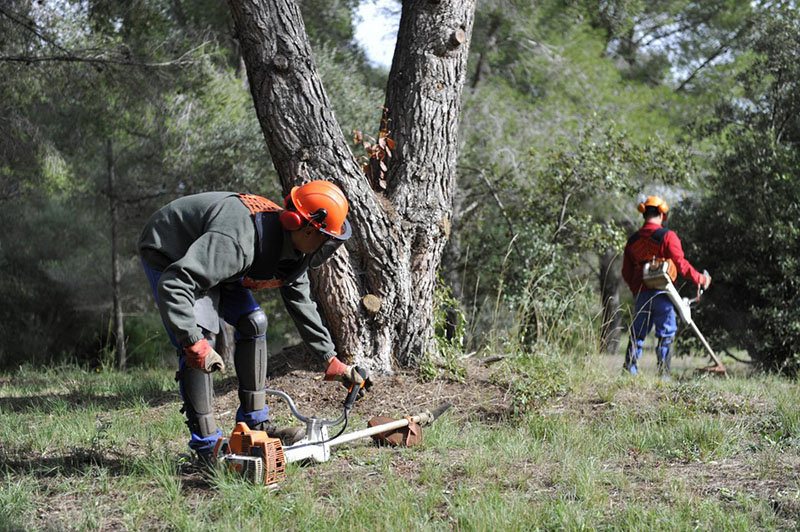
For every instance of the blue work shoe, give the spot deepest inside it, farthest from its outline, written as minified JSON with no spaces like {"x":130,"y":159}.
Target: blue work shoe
{"x":632,"y":369}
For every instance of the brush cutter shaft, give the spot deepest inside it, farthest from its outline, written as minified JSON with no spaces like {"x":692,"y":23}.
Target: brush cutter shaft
{"x":686,"y":315}
{"x":317,"y":447}
{"x":685,"y":312}
{"x":705,"y":344}
{"x":377,"y":429}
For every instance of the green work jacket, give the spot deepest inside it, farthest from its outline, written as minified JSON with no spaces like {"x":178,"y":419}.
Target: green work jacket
{"x":202,"y":241}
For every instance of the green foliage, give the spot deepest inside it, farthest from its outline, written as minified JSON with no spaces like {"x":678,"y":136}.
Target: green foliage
{"x":357,"y":104}
{"x":745,"y":230}
{"x":447,"y":361}
{"x":147,"y":344}
{"x":556,"y":139}
{"x":549,"y":329}
{"x":562,"y":211}
{"x":46,"y":250}
{"x":531,"y":378}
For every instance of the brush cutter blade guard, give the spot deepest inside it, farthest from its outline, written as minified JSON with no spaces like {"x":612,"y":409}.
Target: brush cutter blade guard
{"x":407,"y":436}
{"x":717,"y":369}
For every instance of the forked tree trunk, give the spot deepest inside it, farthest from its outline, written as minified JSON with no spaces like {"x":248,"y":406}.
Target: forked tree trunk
{"x":399,"y":234}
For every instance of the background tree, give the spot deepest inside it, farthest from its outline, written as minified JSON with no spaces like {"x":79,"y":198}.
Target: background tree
{"x":745,"y":229}
{"x":559,"y":142}
{"x":133,"y":81}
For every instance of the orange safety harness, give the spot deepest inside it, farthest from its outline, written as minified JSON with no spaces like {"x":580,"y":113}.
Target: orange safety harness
{"x":650,"y":250}
{"x":256,"y":205}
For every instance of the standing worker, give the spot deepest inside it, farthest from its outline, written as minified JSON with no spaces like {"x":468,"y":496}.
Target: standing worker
{"x":202,"y":255}
{"x":653,"y":307}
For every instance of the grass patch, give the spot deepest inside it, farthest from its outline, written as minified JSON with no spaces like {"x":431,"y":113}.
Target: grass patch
{"x":594,"y":451}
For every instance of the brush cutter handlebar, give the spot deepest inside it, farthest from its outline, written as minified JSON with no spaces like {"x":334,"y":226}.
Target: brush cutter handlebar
{"x":296,"y":413}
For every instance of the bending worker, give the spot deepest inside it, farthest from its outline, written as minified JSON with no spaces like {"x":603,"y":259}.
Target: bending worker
{"x":202,"y":255}
{"x":653,"y":307}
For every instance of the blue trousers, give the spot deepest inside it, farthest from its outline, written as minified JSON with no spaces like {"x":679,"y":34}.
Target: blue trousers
{"x":653,"y":309}
{"x":235,"y":302}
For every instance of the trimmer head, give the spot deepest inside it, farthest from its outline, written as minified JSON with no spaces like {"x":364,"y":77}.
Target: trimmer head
{"x":407,"y":436}
{"x":714,"y":369}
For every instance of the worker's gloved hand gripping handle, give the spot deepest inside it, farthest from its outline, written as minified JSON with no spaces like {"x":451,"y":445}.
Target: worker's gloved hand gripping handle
{"x":705,"y":282}
{"x":356,"y":390}
{"x":350,"y":376}
{"x":200,"y":355}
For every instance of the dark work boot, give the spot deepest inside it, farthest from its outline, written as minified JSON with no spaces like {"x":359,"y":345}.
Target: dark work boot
{"x":632,"y":355}
{"x":206,"y":464}
{"x":664,"y":357}
{"x":287,"y":435}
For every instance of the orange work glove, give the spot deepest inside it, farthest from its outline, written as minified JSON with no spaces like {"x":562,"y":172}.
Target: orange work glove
{"x":348,"y":375}
{"x":200,"y":355}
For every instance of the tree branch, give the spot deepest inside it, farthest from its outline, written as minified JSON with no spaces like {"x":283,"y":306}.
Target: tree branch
{"x":30,"y":26}
{"x":722,"y":48}
{"x":101,"y":59}
{"x":502,"y":208}
{"x":76,"y":56}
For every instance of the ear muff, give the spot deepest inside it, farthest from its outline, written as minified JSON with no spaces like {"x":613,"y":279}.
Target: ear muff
{"x":663,"y":208}
{"x":641,"y":208}
{"x":290,"y":220}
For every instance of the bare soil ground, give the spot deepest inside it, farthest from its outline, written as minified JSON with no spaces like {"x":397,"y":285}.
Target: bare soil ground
{"x":295,"y":373}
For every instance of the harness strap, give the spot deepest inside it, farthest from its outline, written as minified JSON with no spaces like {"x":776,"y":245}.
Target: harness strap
{"x":258,"y":204}
{"x":266,"y":271}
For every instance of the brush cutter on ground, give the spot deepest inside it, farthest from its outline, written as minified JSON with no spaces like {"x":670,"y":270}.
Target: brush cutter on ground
{"x":263,"y":459}
{"x":656,"y":273}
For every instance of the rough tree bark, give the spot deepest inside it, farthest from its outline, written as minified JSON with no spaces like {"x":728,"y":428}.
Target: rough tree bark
{"x":610,"y":281}
{"x":116,"y":273}
{"x":398,"y":234}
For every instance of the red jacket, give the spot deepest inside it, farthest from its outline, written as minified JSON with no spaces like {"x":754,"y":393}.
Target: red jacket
{"x":642,"y":246}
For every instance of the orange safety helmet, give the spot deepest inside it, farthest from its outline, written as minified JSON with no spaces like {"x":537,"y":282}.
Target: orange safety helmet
{"x":654,"y":201}
{"x":324,"y":206}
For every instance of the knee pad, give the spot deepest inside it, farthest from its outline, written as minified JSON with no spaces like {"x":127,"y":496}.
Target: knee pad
{"x":252,"y":325}
{"x":197,"y":391}
{"x":250,"y":359}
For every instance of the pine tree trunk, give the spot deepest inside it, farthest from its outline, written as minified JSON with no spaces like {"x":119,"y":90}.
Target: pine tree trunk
{"x":398,"y":234}
{"x":116,"y":273}
{"x":610,"y":281}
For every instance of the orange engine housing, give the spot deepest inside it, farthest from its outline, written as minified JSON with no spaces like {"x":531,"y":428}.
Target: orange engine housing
{"x":246,"y":447}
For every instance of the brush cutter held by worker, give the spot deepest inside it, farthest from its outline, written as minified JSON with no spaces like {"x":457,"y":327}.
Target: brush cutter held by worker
{"x":656,"y":274}
{"x":263,"y":459}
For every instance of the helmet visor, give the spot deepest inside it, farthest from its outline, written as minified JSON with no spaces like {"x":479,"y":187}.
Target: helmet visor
{"x":324,"y":252}
{"x":346,"y":231}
